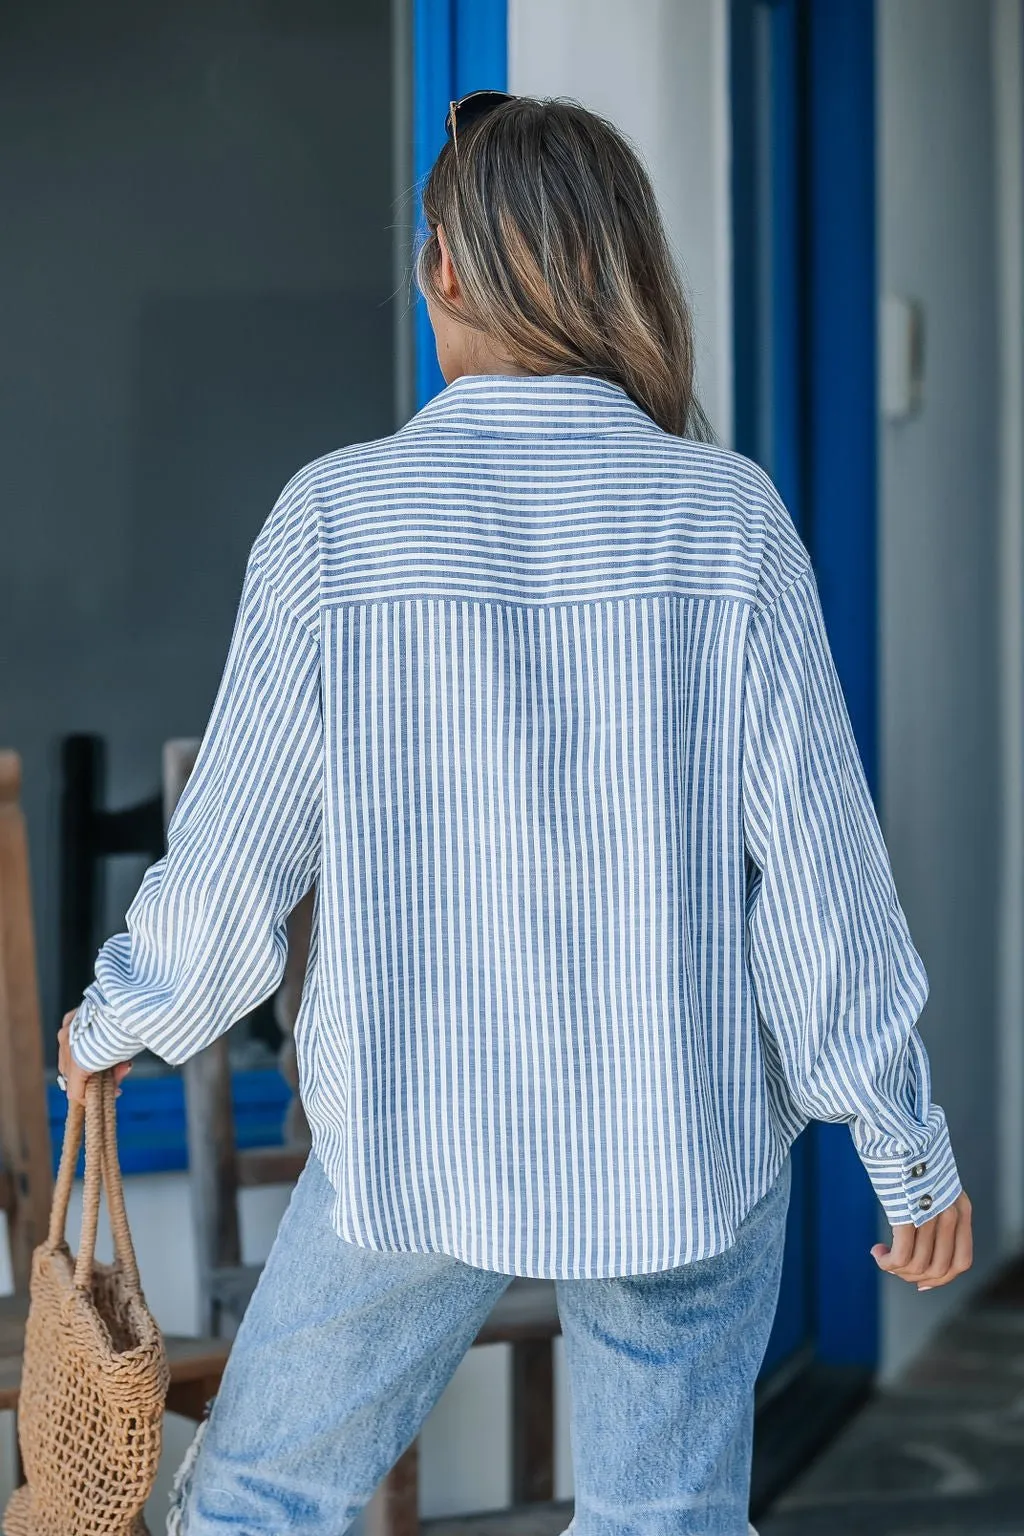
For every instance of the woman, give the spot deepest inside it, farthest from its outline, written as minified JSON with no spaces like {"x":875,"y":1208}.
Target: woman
{"x":537,"y":692}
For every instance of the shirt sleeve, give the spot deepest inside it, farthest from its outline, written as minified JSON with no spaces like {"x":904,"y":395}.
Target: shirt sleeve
{"x":838,"y":983}
{"x":206,"y":937}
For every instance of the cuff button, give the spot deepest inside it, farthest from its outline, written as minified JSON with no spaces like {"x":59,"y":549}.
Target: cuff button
{"x":926,"y":1202}
{"x":919,"y":1170}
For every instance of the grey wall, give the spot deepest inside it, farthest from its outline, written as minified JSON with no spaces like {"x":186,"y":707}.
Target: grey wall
{"x":940,"y":531}
{"x":196,"y":280}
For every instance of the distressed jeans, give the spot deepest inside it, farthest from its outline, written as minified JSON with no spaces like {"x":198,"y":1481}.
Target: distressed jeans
{"x":343,"y":1352}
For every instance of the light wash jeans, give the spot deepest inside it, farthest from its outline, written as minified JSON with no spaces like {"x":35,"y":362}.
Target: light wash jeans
{"x":344,"y":1351}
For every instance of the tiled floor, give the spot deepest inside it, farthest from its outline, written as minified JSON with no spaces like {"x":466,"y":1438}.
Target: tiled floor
{"x":939,"y":1453}
{"x":538,"y":1520}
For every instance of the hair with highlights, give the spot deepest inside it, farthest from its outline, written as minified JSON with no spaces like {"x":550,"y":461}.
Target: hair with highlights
{"x":562,"y":260}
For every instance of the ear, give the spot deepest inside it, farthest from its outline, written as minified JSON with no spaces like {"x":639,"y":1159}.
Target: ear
{"x":449,"y":281}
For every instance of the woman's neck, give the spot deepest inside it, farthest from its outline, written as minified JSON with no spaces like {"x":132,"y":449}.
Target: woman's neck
{"x":479,"y":356}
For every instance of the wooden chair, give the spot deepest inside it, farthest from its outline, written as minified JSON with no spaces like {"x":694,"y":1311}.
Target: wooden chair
{"x":25,"y":1155}
{"x":526,"y":1317}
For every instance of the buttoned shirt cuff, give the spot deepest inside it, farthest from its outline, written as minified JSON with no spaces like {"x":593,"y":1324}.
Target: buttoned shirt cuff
{"x":96,"y":1041}
{"x":917,"y":1187}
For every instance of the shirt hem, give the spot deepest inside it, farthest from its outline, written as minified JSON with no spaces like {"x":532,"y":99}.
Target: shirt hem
{"x":455,"y":1251}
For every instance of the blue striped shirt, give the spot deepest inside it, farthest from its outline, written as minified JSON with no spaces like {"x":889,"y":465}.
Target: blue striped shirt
{"x":540,"y":698}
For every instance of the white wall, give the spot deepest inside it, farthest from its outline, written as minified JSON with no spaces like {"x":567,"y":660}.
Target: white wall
{"x":944,"y":527}
{"x":659,"y":70}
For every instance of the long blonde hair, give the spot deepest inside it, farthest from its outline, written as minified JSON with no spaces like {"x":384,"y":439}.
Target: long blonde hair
{"x":562,"y":259}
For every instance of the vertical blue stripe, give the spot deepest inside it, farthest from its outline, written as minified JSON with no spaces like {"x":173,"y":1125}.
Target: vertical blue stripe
{"x":481,"y":46}
{"x":768,"y":339}
{"x":843,"y":291}
{"x":460,"y":46}
{"x":433,"y":88}
{"x":766,"y":211}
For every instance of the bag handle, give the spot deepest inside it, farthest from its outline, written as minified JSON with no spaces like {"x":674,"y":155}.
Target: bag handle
{"x":102,"y":1171}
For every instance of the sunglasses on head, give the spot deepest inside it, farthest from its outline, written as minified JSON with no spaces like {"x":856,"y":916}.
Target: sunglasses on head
{"x":470,"y":109}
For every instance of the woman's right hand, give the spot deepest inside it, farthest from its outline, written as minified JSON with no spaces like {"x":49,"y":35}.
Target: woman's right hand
{"x":75,"y":1076}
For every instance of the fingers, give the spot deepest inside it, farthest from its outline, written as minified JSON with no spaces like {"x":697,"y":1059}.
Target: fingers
{"x":77,"y":1080}
{"x":933,"y":1254}
{"x":962,"y":1256}
{"x":922,"y":1249}
{"x":63,"y":1051}
{"x":74,"y":1075}
{"x":963,"y":1250}
{"x":895,"y":1258}
{"x":942,"y":1254}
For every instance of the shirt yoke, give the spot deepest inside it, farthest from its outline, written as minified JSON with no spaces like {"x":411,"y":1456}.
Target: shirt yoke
{"x":456,"y":514}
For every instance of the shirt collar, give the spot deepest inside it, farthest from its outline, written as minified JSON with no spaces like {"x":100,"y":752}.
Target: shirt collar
{"x":536,"y":405}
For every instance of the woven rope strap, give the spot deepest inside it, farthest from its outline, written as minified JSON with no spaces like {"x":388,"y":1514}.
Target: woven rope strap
{"x":102,"y":1175}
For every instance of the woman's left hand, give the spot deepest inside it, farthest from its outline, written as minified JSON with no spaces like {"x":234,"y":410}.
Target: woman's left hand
{"x":75,"y":1076}
{"x":933,"y":1253}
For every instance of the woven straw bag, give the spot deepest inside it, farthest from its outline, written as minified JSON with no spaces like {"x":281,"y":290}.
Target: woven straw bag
{"x":95,"y":1375}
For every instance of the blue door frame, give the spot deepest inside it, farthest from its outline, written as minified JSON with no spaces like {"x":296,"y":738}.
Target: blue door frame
{"x":803,"y":103}
{"x":843,"y":495}
{"x":768,"y":413}
{"x":458,"y":46}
